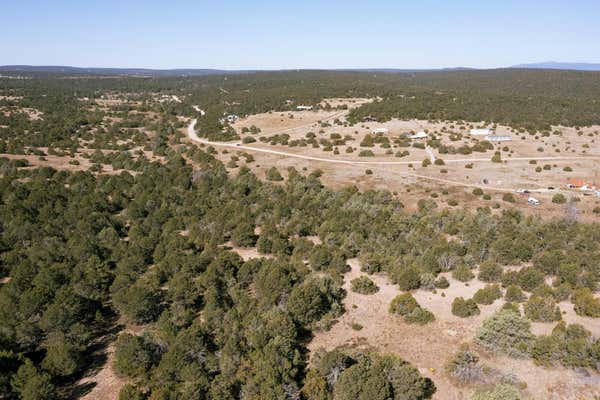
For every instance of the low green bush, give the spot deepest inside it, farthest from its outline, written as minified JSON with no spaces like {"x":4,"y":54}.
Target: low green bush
{"x":487,"y":295}
{"x":542,"y":309}
{"x":363,"y":285}
{"x":464,"y":308}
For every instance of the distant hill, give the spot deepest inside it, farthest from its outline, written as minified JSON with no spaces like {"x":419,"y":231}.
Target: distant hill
{"x":114,"y":71}
{"x":560,"y":65}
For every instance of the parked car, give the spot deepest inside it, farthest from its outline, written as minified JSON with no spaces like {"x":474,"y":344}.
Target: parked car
{"x":533,"y":201}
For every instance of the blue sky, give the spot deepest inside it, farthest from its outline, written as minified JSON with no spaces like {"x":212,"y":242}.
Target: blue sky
{"x":298,"y":34}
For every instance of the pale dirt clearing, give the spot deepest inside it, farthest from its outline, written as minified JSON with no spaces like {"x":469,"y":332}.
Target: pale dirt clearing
{"x":105,"y":383}
{"x":429,"y":347}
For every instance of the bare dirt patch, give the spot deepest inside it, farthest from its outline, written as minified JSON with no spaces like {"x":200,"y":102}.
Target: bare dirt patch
{"x":429,"y":347}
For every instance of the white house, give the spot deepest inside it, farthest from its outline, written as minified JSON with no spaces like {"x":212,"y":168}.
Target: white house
{"x":498,"y":138}
{"x":304,"y":108}
{"x":418,"y":135}
{"x":481,"y":132}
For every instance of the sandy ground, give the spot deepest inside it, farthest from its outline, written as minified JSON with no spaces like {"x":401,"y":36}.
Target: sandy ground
{"x":413,"y":182}
{"x":429,"y":347}
{"x":107,"y":383}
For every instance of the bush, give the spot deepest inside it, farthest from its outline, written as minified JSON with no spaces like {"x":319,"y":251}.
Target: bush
{"x":133,"y":356}
{"x":403,"y":304}
{"x":441,"y":283}
{"x":464,"y":366}
{"x":514,"y":294}
{"x":363,"y":285}
{"x":499,"y":392}
{"x":464,"y":308}
{"x":426,"y":162}
{"x":559,"y":198}
{"x":419,"y":316}
{"x":585,"y":303}
{"x":542,"y":309}
{"x":462,"y":273}
{"x":380,"y":377}
{"x":366,"y":153}
{"x":439,"y":161}
{"x":545,"y":350}
{"x":490,"y":271}
{"x":273,"y":175}
{"x":408,"y":278}
{"x":477,"y":191}
{"x":530,"y":278}
{"x":487,"y":295}
{"x":508,"y":197}
{"x":511,"y":307}
{"x":507,"y":332}
{"x":568,"y":169}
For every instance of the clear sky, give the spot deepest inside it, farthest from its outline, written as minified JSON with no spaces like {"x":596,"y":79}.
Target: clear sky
{"x":298,"y":34}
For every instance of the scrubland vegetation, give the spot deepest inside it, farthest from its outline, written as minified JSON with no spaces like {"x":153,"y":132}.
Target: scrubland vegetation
{"x":145,"y":254}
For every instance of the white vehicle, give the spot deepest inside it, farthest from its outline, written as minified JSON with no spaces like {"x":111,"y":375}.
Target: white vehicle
{"x":533,"y":201}
{"x":522,"y":191}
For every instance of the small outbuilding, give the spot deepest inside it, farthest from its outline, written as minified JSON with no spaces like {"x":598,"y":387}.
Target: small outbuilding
{"x":481,"y":132}
{"x":304,"y":108}
{"x":498,"y":138}
{"x":418,"y":135}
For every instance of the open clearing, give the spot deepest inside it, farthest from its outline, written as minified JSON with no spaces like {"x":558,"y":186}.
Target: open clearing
{"x":430,"y":346}
{"x":410,"y":181}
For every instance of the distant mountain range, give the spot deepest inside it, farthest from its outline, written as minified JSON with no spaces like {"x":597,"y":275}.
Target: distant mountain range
{"x":116,"y":71}
{"x":560,"y":65}
{"x":206,"y":71}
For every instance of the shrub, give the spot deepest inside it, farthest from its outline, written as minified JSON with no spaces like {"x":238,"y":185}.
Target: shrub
{"x":508,"y":197}
{"x":559,"y":198}
{"x":441,"y":283}
{"x":545,"y":350}
{"x":363,"y":285}
{"x":542,"y":309}
{"x":462,"y":273}
{"x":511,"y":307}
{"x":403,"y":304}
{"x":499,"y":392}
{"x":507,"y":332}
{"x":530,"y":278}
{"x":366,"y":153}
{"x":133,"y":356}
{"x":490,"y":271}
{"x":464,"y":308}
{"x":439,"y":161}
{"x":419,"y":316}
{"x":487,"y":295}
{"x":464,"y":366}
{"x":514,"y":294}
{"x":408,"y":278}
{"x":568,"y":169}
{"x":585,"y":303}
{"x":273,"y":175}
{"x":477,"y":191}
{"x":426,"y":162}
{"x":497,"y":158}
